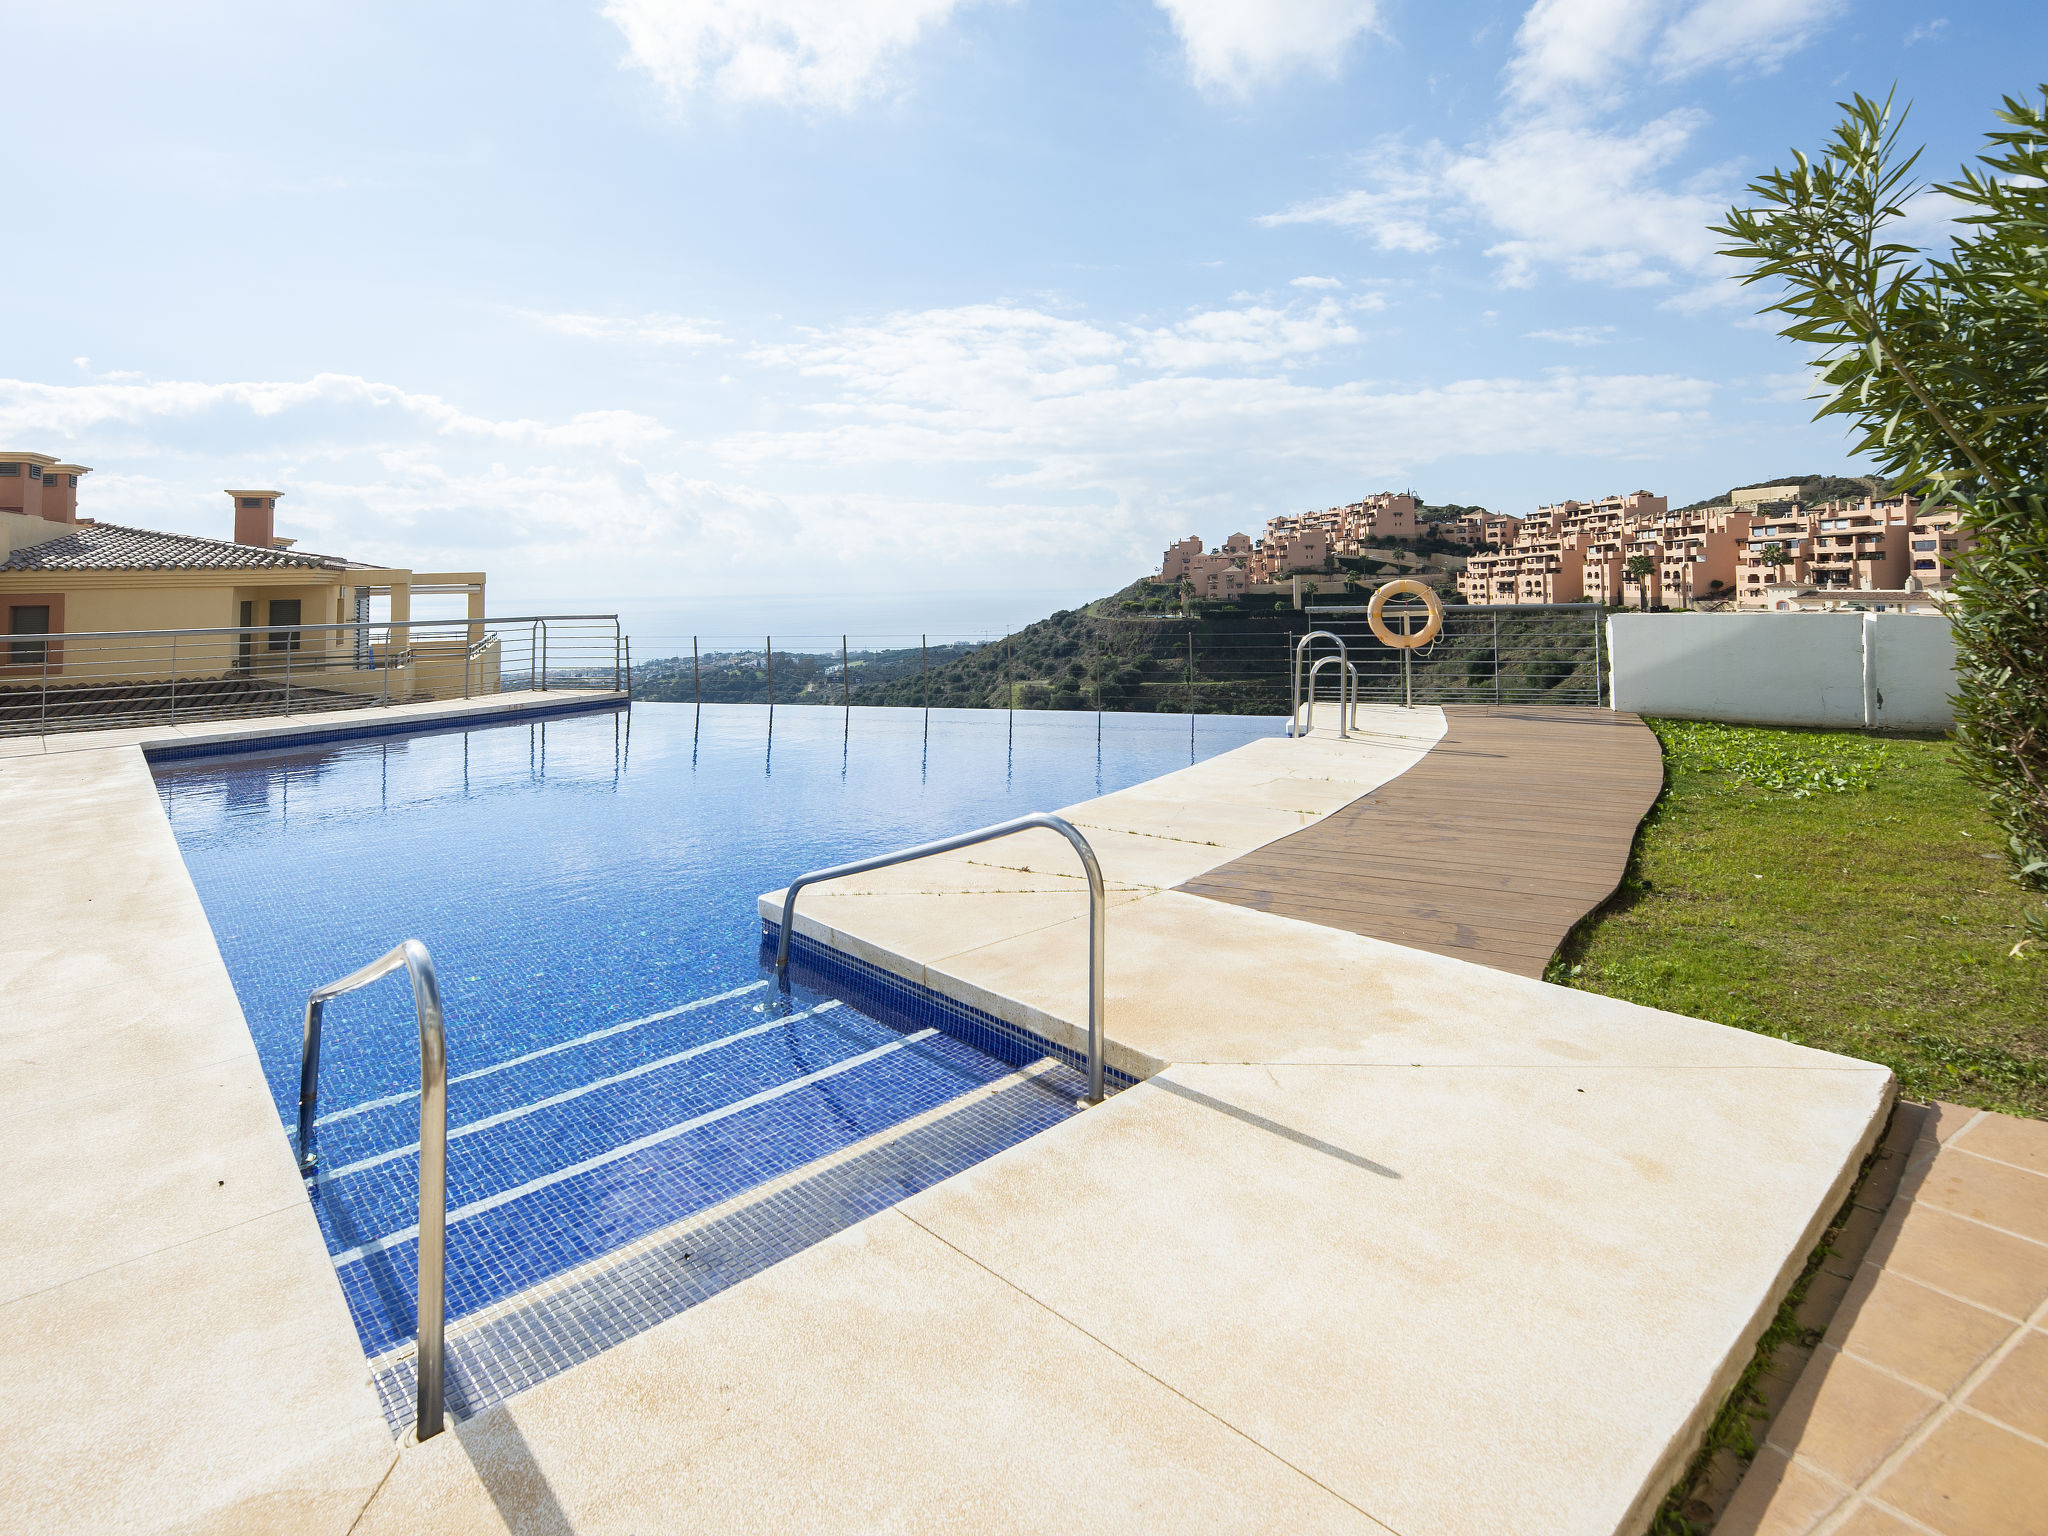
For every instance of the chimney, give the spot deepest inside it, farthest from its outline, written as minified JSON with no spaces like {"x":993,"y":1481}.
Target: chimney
{"x":60,"y":492}
{"x":256,"y":517}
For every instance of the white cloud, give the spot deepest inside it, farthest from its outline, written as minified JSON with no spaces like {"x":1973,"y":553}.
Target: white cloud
{"x":1590,"y":49}
{"x":1574,"y":335}
{"x":820,"y":53}
{"x":1754,"y":34}
{"x":655,"y":330}
{"x":1558,"y":182}
{"x":1393,"y":212}
{"x":1568,"y":46}
{"x":997,"y":443}
{"x":73,"y":410}
{"x":1928,"y":31}
{"x":955,"y":387}
{"x":1246,"y":336}
{"x":1553,"y":192}
{"x":1234,"y":46}
{"x":1318,"y":282}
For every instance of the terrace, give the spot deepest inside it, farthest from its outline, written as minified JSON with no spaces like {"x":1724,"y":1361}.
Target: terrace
{"x":1381,"y":1231}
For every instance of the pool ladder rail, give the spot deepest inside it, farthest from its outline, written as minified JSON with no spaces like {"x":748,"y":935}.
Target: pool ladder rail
{"x":1097,"y":910}
{"x":1347,"y":686}
{"x":431,"y":1317}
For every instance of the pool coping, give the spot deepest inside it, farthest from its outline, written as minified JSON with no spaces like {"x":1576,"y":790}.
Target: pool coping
{"x":252,"y":1407}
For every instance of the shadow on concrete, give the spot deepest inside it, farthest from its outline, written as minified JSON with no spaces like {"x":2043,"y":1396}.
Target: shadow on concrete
{"x":1272,"y":1127}
{"x":505,"y":1465}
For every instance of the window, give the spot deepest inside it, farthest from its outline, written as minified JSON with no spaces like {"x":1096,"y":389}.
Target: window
{"x":253,"y":503}
{"x":284,"y":610}
{"x":27,"y":619}
{"x":35,"y":471}
{"x":10,"y":469}
{"x":1921,"y":546}
{"x":1923,"y":565}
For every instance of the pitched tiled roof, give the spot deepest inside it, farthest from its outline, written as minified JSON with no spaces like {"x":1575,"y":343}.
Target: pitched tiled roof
{"x":110,"y":547}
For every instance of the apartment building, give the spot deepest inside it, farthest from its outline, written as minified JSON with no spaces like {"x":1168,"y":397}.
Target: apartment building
{"x":1296,"y":543}
{"x":1868,"y":547}
{"x":1477,"y":530}
{"x":1221,"y":574}
{"x":1760,"y":552}
{"x":1562,"y":553}
{"x":1305,"y":541}
{"x":64,"y":575}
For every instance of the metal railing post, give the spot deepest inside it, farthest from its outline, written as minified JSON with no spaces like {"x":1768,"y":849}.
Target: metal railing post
{"x":769,"y":652}
{"x":1496,"y":659}
{"x":174,"y":679}
{"x":1599,"y":691}
{"x":1098,"y":906}
{"x":287,"y":673}
{"x":430,"y":1320}
{"x":925,"y":661}
{"x":845,"y":685}
{"x":697,"y":671}
{"x":543,"y":626}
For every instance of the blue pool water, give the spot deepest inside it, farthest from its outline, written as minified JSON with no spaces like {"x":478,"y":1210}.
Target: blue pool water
{"x":618,"y":1061}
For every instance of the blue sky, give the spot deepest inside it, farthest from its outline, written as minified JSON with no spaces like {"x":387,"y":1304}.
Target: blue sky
{"x":951,"y":306}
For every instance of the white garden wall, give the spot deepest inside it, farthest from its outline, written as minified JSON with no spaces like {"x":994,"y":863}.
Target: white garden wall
{"x":1822,"y":669}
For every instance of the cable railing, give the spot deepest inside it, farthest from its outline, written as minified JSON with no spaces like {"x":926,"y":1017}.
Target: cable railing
{"x":98,"y":680}
{"x":431,"y":1314}
{"x":1224,"y":659}
{"x":1097,"y":910}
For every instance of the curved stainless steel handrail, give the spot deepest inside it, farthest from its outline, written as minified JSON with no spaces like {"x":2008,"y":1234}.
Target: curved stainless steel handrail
{"x":1294,"y":697}
{"x":1347,"y":682}
{"x":430,"y":1320}
{"x":1097,"y":904}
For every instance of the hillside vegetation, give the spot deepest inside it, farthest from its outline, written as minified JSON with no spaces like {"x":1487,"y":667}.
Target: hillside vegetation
{"x":798,"y":677}
{"x":1136,"y":651}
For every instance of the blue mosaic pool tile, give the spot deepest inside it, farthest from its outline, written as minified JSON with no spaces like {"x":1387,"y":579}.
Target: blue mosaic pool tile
{"x":905,"y":1005}
{"x":591,"y":1312}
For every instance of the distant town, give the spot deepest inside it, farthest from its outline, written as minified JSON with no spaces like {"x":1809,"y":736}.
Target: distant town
{"x":1761,"y":548}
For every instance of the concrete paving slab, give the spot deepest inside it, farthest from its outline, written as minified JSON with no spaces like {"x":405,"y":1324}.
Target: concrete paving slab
{"x":1382,"y":1207}
{"x":192,"y":1390}
{"x":879,"y":1381}
{"x":130,"y":1030}
{"x":180,"y":1356}
{"x":175,"y":1186}
{"x":1374,"y":1272}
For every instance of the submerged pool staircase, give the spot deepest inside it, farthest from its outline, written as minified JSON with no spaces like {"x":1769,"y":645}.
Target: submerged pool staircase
{"x":788,"y":1122}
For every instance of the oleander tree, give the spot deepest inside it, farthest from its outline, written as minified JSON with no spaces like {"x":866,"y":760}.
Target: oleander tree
{"x":1939,"y":362}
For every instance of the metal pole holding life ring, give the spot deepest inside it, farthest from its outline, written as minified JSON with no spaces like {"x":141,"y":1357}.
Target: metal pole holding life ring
{"x":1405,"y":642}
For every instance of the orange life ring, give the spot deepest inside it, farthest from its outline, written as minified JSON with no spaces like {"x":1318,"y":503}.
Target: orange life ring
{"x":1405,"y":586}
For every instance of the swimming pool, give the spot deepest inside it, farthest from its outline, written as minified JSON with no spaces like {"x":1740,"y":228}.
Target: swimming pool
{"x":637,"y":1118}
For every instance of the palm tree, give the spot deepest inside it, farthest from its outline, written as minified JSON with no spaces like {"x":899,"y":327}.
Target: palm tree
{"x":1636,"y":568}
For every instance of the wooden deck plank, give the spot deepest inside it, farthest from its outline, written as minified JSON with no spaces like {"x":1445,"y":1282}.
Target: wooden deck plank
{"x":1516,"y":825}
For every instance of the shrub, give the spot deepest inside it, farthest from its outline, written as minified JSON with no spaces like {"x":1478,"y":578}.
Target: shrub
{"x":1941,"y":365}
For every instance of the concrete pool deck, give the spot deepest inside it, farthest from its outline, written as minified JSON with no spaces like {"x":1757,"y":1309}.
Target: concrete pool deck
{"x":1388,"y":1241}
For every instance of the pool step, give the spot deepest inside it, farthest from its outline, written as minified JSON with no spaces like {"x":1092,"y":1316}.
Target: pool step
{"x":523,"y":1340}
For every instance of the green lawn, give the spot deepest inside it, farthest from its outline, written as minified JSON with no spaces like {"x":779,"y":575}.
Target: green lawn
{"x":1835,"y":889}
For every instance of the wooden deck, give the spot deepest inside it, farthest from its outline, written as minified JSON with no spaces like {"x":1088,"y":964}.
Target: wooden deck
{"x":1516,"y":825}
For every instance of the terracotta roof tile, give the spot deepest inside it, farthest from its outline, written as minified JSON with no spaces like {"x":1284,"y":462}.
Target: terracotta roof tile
{"x":110,"y":547}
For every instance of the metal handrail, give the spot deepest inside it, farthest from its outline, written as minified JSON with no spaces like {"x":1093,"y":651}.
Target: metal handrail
{"x":430,"y":1319}
{"x":59,"y":636}
{"x":1347,"y":682}
{"x":1294,"y":695}
{"x":1097,"y":905}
